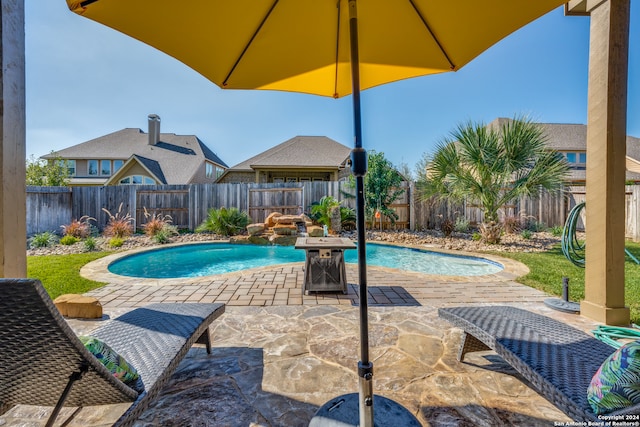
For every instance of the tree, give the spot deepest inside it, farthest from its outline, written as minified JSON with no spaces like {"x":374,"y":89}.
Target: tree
{"x":53,"y":173}
{"x":381,"y":187}
{"x":494,"y":166}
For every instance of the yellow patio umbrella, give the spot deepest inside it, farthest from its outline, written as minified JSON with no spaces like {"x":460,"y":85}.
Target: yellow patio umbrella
{"x":322,"y":47}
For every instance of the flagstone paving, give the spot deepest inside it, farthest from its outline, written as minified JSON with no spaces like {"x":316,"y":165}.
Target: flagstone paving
{"x":279,"y":355}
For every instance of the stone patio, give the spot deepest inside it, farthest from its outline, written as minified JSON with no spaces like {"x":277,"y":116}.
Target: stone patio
{"x":279,"y":355}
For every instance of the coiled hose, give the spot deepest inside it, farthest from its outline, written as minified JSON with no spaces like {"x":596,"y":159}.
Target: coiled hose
{"x":571,"y":246}
{"x":611,"y":334}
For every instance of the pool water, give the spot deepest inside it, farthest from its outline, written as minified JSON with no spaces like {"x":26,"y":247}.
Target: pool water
{"x":207,"y":259}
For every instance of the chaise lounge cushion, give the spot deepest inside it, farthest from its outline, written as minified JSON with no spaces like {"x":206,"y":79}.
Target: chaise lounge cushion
{"x":616,"y":384}
{"x":115,"y":363}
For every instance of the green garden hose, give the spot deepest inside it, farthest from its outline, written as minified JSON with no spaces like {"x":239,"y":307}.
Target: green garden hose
{"x":571,"y":246}
{"x":611,"y":334}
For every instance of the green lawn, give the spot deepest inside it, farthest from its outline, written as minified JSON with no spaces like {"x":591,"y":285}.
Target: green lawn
{"x":60,"y":274}
{"x":548,"y":269}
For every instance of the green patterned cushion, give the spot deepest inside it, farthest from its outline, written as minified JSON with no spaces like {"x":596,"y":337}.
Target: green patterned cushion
{"x":111,"y":360}
{"x":616,"y":384}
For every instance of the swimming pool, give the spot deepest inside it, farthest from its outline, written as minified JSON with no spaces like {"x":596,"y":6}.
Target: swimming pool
{"x":207,"y":259}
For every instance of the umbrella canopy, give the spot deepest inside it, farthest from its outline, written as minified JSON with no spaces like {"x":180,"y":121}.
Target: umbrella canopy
{"x":303,"y":45}
{"x":322,"y":47}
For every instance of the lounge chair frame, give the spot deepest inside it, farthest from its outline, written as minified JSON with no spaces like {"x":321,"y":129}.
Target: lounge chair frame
{"x":557,"y":359}
{"x":42,"y":361}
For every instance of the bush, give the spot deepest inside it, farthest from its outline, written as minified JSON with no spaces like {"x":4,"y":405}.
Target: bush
{"x":556,"y":230}
{"x":155,"y":223}
{"x":43,"y":240}
{"x":226,"y":222}
{"x":461,"y":225}
{"x":116,"y":242}
{"x":446,"y":226}
{"x":119,"y":225}
{"x":476,"y":237}
{"x":79,"y":228}
{"x":90,"y":244}
{"x":526,"y":234}
{"x":511,"y":225}
{"x":165,"y":233}
{"x":532,"y":225}
{"x":68,"y":240}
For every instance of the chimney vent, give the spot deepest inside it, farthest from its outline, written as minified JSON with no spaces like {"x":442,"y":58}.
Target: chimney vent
{"x":154,"y":129}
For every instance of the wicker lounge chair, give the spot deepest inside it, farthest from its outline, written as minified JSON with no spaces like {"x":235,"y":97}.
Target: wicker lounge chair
{"x":556,"y":358}
{"x":42,"y":362}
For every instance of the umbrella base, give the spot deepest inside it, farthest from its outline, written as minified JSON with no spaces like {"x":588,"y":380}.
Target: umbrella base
{"x":343,"y":411}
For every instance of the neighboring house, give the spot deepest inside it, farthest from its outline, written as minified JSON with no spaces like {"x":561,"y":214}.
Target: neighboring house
{"x":300,"y":159}
{"x":131,"y":156}
{"x":571,"y":141}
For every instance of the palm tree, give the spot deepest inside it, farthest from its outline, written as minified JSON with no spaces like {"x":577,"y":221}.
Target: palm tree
{"x":494,"y":166}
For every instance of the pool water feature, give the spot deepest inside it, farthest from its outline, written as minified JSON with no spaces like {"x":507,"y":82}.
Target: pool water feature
{"x":207,"y":259}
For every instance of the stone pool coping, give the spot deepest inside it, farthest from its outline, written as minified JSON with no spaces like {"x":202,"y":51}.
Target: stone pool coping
{"x":98,"y":270}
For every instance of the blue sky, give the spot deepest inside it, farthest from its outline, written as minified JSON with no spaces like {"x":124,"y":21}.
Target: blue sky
{"x":85,"y":80}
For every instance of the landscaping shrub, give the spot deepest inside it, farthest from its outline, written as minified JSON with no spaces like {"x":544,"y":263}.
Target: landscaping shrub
{"x":116,"y":242}
{"x":511,"y":225}
{"x":79,"y":228}
{"x":43,"y":240}
{"x":461,"y":225}
{"x":446,"y":226}
{"x":119,"y":225}
{"x":68,"y":240}
{"x":556,"y":230}
{"x":476,"y":237}
{"x":226,"y":222}
{"x":165,"y":233}
{"x":155,"y":222}
{"x":526,"y":234}
{"x":90,"y":244}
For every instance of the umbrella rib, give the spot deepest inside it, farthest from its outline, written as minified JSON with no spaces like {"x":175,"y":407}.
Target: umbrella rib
{"x":87,"y":3}
{"x":335,"y":81}
{"x":426,"y":25}
{"x":246,"y":47}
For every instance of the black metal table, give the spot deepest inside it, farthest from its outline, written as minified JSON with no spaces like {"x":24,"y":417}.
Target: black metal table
{"x":324,"y":268}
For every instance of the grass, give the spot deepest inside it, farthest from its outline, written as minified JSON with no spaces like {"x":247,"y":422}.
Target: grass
{"x":60,"y":274}
{"x":548,"y":268}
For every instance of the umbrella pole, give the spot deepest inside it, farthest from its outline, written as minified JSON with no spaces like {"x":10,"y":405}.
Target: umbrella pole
{"x":359,"y":168}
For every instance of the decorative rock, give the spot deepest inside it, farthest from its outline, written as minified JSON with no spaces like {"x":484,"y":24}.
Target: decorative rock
{"x":283,"y":240}
{"x":285,"y":230}
{"x":271,"y":219}
{"x":256,"y":228}
{"x":289,"y":219}
{"x":72,"y":305}
{"x":258,"y":240}
{"x":315,"y":231}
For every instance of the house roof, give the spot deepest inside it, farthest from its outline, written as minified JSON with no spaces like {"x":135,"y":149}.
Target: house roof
{"x":573,"y":137}
{"x":301,"y":151}
{"x":176,"y":157}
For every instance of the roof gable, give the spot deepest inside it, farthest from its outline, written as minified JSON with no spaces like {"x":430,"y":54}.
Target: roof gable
{"x":299,"y":151}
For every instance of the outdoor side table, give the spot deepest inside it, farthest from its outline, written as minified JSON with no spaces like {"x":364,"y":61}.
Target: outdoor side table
{"x":324,"y":268}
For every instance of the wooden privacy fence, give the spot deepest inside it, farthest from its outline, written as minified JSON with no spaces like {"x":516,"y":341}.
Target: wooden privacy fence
{"x":50,"y":207}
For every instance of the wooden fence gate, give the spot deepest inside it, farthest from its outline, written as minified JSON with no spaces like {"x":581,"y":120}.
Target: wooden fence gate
{"x":174,"y":203}
{"x":263,"y":201}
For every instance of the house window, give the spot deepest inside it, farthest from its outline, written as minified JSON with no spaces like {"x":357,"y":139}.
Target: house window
{"x":92,"y":167}
{"x":209,"y":170}
{"x":582,"y":158}
{"x":105,"y":167}
{"x":117,"y":164}
{"x":70,"y":165}
{"x":571,"y":157}
{"x":137,"y":179}
{"x":219,"y":171}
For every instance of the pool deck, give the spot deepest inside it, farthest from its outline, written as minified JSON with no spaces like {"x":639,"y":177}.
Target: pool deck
{"x":279,"y":354}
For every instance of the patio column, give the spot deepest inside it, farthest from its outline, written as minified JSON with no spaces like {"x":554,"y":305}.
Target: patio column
{"x":606,"y":166}
{"x":13,"y":231}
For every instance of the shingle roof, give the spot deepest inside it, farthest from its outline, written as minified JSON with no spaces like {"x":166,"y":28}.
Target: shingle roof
{"x":299,"y":151}
{"x":177,"y":156}
{"x":153,"y":167}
